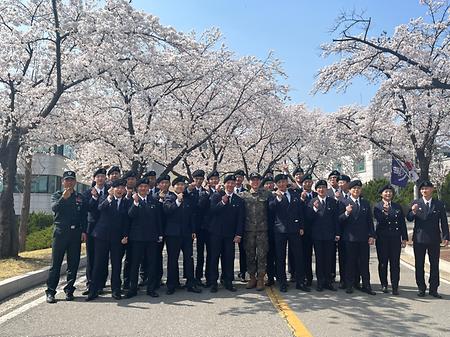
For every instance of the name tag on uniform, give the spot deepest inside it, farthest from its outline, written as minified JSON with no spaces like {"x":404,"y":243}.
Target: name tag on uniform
{"x":72,"y":227}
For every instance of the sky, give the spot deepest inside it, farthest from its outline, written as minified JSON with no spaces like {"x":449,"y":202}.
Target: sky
{"x":293,"y":30}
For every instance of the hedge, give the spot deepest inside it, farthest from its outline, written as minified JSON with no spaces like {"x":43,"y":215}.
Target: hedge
{"x":39,"y":239}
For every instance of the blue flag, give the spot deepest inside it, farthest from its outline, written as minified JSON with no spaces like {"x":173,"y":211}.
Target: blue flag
{"x":399,"y":175}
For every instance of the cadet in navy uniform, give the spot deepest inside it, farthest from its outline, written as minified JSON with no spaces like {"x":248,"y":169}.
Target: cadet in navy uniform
{"x":391,"y":237}
{"x":334,"y":186}
{"x":143,"y":234}
{"x":307,"y":195}
{"x":203,"y":246}
{"x":269,"y":185}
{"x":179,"y":207}
{"x":70,"y":219}
{"x":288,"y":229}
{"x":430,"y":227}
{"x":226,"y":228}
{"x":110,"y":236}
{"x":91,"y":196}
{"x":358,"y":232}
{"x":323,"y":213}
{"x":240,"y":174}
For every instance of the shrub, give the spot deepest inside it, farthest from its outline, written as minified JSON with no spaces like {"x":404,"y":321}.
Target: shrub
{"x":39,"y":221}
{"x":39,"y":239}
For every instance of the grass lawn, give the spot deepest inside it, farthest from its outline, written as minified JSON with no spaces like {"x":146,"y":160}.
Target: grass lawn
{"x":27,"y":261}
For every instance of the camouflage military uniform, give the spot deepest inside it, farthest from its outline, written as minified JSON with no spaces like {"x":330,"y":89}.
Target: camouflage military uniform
{"x":256,"y":229}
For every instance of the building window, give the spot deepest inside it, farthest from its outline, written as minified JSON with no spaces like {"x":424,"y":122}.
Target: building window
{"x":360,"y":165}
{"x":39,"y":184}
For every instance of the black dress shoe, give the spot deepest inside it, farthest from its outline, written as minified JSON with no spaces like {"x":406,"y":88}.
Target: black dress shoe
{"x":70,"y":297}
{"x":130,"y":294}
{"x":230,"y":287}
{"x":384,"y":289}
{"x":368,"y":291}
{"x":50,"y":298}
{"x":349,"y":290}
{"x":283,"y":288}
{"x":170,"y":291}
{"x":86,"y":292}
{"x":91,"y":297}
{"x":435,"y":294}
{"x":213,"y":288}
{"x":152,"y":293}
{"x":308,"y":283}
{"x":101,"y":292}
{"x":270,"y":282}
{"x":395,"y":291}
{"x":194,"y":289}
{"x":116,"y":295}
{"x":421,"y":293}
{"x":330,"y":287}
{"x":319,"y":288}
{"x":303,"y":287}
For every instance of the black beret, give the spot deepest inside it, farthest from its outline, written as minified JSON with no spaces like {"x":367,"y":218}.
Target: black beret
{"x":229,"y":177}
{"x":426,"y":183}
{"x":298,"y":170}
{"x":143,"y":181}
{"x":118,"y":182}
{"x":113,"y":169}
{"x":150,"y":173}
{"x":69,"y":175}
{"x":198,"y":174}
{"x":386,"y":187}
{"x":239,"y":173}
{"x":344,"y":178}
{"x":129,"y":174}
{"x":354,"y":183}
{"x":306,"y":177}
{"x":162,"y":178}
{"x":334,"y":173}
{"x":99,"y":171}
{"x":321,"y":182}
{"x":214,"y":173}
{"x":255,"y":175}
{"x":180,"y":179}
{"x":280,"y":176}
{"x":267,"y":180}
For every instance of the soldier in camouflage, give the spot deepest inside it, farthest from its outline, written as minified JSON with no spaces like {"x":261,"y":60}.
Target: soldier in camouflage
{"x":256,"y":231}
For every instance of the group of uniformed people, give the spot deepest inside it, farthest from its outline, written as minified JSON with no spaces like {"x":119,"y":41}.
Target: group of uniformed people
{"x":127,"y":220}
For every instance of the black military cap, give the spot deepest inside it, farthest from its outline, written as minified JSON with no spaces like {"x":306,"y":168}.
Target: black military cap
{"x":279,"y":177}
{"x":344,"y":178}
{"x":69,"y":175}
{"x":180,"y":179}
{"x":99,"y":171}
{"x":143,"y":181}
{"x":386,"y":187}
{"x":297,"y":171}
{"x":354,"y":183}
{"x":229,"y":177}
{"x":321,"y":182}
{"x":267,"y":180}
{"x":334,"y":173}
{"x":162,"y":178}
{"x":118,"y":182}
{"x":255,"y":175}
{"x":213,"y":173}
{"x":426,"y":183}
{"x":150,"y":173}
{"x":198,"y":174}
{"x":130,"y":174}
{"x":239,"y":173}
{"x":113,"y":169}
{"x":306,"y":177}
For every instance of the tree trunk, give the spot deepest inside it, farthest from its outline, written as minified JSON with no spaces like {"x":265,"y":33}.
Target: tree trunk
{"x":9,"y":234}
{"x":26,"y":199}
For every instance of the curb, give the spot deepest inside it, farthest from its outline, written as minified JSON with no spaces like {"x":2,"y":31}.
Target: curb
{"x":17,"y":284}
{"x":444,"y":266}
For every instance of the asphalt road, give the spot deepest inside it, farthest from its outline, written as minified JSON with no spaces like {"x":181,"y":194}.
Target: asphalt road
{"x":245,"y":313}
